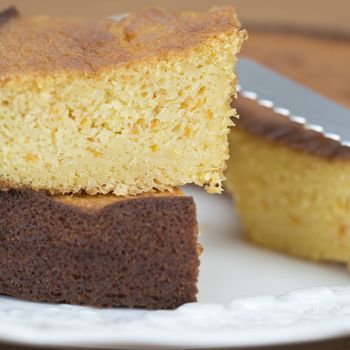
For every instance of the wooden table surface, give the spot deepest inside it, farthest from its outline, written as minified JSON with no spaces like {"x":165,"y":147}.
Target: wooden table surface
{"x":320,"y":14}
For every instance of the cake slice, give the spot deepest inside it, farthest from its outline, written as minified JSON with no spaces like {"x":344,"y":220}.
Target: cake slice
{"x":291,"y":185}
{"x":125,"y":106}
{"x":102,"y":250}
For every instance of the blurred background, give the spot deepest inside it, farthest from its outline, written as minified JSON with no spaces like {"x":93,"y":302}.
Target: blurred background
{"x":325,"y":14}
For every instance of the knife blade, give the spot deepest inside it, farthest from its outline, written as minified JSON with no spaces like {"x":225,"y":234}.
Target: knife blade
{"x":293,"y":100}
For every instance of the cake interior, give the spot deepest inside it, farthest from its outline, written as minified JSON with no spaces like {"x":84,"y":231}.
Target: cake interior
{"x":125,"y":121}
{"x":290,"y":200}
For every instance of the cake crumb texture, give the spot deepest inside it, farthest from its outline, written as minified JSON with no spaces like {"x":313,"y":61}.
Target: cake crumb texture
{"x":290,"y":200}
{"x":125,"y":107}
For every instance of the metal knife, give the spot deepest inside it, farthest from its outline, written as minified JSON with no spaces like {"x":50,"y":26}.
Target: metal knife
{"x":293,"y":100}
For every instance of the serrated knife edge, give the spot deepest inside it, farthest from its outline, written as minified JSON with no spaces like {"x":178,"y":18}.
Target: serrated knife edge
{"x":293,"y":100}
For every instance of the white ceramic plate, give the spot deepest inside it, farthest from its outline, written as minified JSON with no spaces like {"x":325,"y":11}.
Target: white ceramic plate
{"x":228,"y":314}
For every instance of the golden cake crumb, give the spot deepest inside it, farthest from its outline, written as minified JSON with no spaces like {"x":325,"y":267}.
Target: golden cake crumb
{"x":126,"y":107}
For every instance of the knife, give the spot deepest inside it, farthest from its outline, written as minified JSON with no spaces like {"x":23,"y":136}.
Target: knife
{"x":293,"y":100}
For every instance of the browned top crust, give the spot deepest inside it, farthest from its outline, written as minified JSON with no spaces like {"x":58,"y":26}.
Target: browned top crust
{"x":309,"y":59}
{"x":263,"y":122}
{"x":48,"y":44}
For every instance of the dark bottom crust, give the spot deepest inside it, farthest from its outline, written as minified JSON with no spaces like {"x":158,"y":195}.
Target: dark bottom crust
{"x":140,"y":252}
